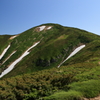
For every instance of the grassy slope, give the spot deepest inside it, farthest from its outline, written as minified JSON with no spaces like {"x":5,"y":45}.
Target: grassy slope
{"x":49,"y":49}
{"x":3,"y":41}
{"x":50,"y":52}
{"x":78,"y":77}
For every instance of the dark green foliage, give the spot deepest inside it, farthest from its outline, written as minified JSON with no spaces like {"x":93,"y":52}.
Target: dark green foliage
{"x":36,"y":85}
{"x":72,"y":82}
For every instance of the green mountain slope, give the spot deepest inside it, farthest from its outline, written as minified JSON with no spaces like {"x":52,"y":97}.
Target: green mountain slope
{"x":4,"y":39}
{"x":55,"y":45}
{"x":35,"y":55}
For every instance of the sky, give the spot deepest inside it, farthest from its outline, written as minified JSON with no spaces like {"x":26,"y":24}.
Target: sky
{"x":17,"y":16}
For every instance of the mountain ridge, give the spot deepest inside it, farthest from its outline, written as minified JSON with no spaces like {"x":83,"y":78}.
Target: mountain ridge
{"x":34,"y":57}
{"x":51,"y":36}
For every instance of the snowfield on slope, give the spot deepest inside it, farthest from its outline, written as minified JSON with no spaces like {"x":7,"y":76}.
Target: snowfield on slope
{"x":5,"y":50}
{"x":72,"y":54}
{"x":49,"y":27}
{"x":8,"y":57}
{"x":42,"y":28}
{"x":10,"y":67}
{"x":13,"y":37}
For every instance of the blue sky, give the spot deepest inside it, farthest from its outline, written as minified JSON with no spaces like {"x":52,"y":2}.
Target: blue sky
{"x":17,"y":16}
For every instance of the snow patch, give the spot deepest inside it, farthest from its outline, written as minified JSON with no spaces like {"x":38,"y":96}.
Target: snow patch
{"x":42,"y":28}
{"x":8,"y":57}
{"x":72,"y":54}
{"x":13,"y":37}
{"x":49,"y":27}
{"x":5,"y":50}
{"x":17,"y":60}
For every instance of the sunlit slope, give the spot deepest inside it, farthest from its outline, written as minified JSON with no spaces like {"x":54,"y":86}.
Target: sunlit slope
{"x":56,"y":43}
{"x":3,"y":42}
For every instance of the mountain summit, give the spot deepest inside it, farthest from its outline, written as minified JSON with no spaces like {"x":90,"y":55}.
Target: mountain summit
{"x":50,"y":62}
{"x":44,"y":47}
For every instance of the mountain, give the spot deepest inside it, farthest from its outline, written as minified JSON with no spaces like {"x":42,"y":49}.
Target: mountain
{"x":55,"y":57}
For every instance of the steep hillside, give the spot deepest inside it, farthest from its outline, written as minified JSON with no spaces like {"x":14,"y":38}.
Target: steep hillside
{"x":50,"y":62}
{"x":4,"y":39}
{"x":55,"y":44}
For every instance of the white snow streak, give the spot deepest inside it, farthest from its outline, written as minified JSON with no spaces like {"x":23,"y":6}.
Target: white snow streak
{"x":49,"y":27}
{"x":13,"y":37}
{"x":8,"y":57}
{"x":72,"y":54}
{"x":5,"y":50}
{"x":42,"y":28}
{"x":17,"y":60}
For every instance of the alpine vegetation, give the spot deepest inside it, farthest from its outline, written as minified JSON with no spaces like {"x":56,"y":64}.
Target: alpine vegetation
{"x":72,"y":54}
{"x":10,"y":67}
{"x":50,"y":62}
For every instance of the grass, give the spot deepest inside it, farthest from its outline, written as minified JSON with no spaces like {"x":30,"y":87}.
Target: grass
{"x":63,"y":95}
{"x":77,"y":91}
{"x":57,"y":43}
{"x":90,"y":88}
{"x":4,"y":41}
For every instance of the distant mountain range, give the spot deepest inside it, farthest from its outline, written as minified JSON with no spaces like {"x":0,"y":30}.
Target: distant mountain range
{"x":72,"y":54}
